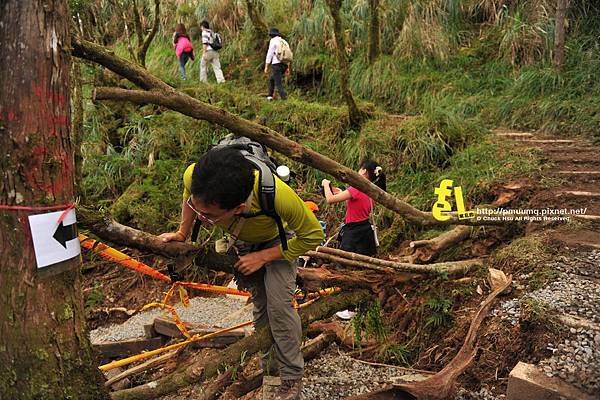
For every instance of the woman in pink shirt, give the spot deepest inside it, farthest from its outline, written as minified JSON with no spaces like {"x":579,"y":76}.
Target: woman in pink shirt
{"x":357,"y":235}
{"x":183,"y":48}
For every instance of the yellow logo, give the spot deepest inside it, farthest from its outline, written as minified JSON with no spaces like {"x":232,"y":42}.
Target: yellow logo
{"x":442,"y":207}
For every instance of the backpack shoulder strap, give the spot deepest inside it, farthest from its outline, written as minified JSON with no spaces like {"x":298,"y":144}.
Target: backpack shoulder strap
{"x":266,"y":194}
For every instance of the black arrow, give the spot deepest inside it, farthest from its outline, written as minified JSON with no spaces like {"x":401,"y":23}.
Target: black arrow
{"x":64,"y":233}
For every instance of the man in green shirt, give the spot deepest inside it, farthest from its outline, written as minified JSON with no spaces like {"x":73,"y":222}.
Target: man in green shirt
{"x":220,"y":190}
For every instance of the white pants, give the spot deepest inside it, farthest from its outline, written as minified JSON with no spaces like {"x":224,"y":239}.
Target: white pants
{"x":211,"y":56}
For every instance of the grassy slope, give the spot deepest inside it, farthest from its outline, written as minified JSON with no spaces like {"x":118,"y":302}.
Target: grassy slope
{"x":416,"y":152}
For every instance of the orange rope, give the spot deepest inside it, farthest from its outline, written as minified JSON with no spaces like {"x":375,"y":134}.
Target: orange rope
{"x":178,"y":322}
{"x":213,"y":288}
{"x":121,"y":258}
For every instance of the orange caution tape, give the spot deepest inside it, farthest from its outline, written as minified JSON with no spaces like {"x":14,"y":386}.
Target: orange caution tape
{"x":213,"y":288}
{"x":183,"y":295}
{"x":121,"y":258}
{"x":178,"y":322}
{"x":322,"y":292}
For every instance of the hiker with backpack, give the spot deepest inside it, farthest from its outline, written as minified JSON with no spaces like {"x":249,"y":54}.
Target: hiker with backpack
{"x":211,"y":44}
{"x":183,"y":48}
{"x":234,"y":186}
{"x":279,"y":56}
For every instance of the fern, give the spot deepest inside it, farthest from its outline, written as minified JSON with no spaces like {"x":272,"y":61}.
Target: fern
{"x":439,"y":312}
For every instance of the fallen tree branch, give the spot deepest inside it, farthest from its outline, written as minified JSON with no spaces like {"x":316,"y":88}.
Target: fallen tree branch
{"x":359,"y":260}
{"x":109,"y":229}
{"x":348,"y":262}
{"x":441,"y":385}
{"x":261,"y":340}
{"x":313,"y":278}
{"x":162,"y":94}
{"x":426,"y":250}
{"x":317,"y":278}
{"x":152,"y":363}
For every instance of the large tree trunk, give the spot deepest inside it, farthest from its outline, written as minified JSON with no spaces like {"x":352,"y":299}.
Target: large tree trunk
{"x":145,"y":44}
{"x":374,"y":36}
{"x":255,"y":9}
{"x":77,"y":123}
{"x":559,"y":33}
{"x":355,"y":115}
{"x":46,"y":353}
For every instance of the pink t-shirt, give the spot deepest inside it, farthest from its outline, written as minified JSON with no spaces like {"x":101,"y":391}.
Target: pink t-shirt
{"x":358,"y":207}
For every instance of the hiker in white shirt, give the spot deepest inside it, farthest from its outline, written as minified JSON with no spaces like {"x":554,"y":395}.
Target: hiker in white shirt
{"x":278,"y":68}
{"x":209,"y":55}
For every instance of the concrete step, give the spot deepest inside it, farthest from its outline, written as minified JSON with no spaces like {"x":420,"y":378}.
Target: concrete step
{"x":528,"y":382}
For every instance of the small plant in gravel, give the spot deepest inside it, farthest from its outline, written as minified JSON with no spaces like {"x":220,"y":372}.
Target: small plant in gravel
{"x":534,"y":312}
{"x":542,"y":277}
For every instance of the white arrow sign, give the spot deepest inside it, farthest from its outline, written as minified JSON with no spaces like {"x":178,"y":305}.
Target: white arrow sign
{"x":54,"y":242}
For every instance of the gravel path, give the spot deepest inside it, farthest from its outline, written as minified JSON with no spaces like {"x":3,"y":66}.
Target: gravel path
{"x":335,"y":376}
{"x":210,"y":311}
{"x":576,"y":292}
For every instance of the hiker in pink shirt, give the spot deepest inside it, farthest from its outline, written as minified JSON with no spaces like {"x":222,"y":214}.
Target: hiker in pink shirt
{"x":183,"y":48}
{"x":357,"y":235}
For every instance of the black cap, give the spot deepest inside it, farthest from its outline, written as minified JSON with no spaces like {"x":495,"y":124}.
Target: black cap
{"x":274,"y":32}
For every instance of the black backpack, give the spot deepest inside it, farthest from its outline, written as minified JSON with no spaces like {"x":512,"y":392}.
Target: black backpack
{"x":256,"y":153}
{"x":217,"y":42}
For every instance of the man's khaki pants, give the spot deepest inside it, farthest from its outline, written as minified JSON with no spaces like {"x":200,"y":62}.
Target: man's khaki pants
{"x":211,"y":56}
{"x":274,"y":306}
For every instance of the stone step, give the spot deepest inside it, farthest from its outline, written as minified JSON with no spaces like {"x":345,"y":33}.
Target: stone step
{"x":542,"y":141}
{"x":573,"y":321}
{"x":588,"y":217}
{"x":528,"y":382}
{"x":578,"y":172}
{"x":577,"y":193}
{"x":514,"y":135}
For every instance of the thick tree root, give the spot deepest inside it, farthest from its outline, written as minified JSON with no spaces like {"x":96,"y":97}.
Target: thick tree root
{"x":426,"y":250}
{"x":441,"y":385}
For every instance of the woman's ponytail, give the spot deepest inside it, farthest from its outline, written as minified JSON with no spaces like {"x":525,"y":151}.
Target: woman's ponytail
{"x":375,"y":173}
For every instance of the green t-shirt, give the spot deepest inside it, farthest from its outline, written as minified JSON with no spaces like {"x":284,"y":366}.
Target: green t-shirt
{"x":293,"y":212}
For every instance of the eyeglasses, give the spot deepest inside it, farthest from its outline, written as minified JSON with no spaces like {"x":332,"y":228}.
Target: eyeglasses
{"x":203,"y":217}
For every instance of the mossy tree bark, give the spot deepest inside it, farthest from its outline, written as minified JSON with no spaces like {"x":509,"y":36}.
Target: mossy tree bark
{"x":255,"y":9}
{"x":374,"y":29}
{"x":355,"y":115}
{"x":144,"y":43}
{"x":46,"y":353}
{"x":77,"y":123}
{"x":559,"y":34}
